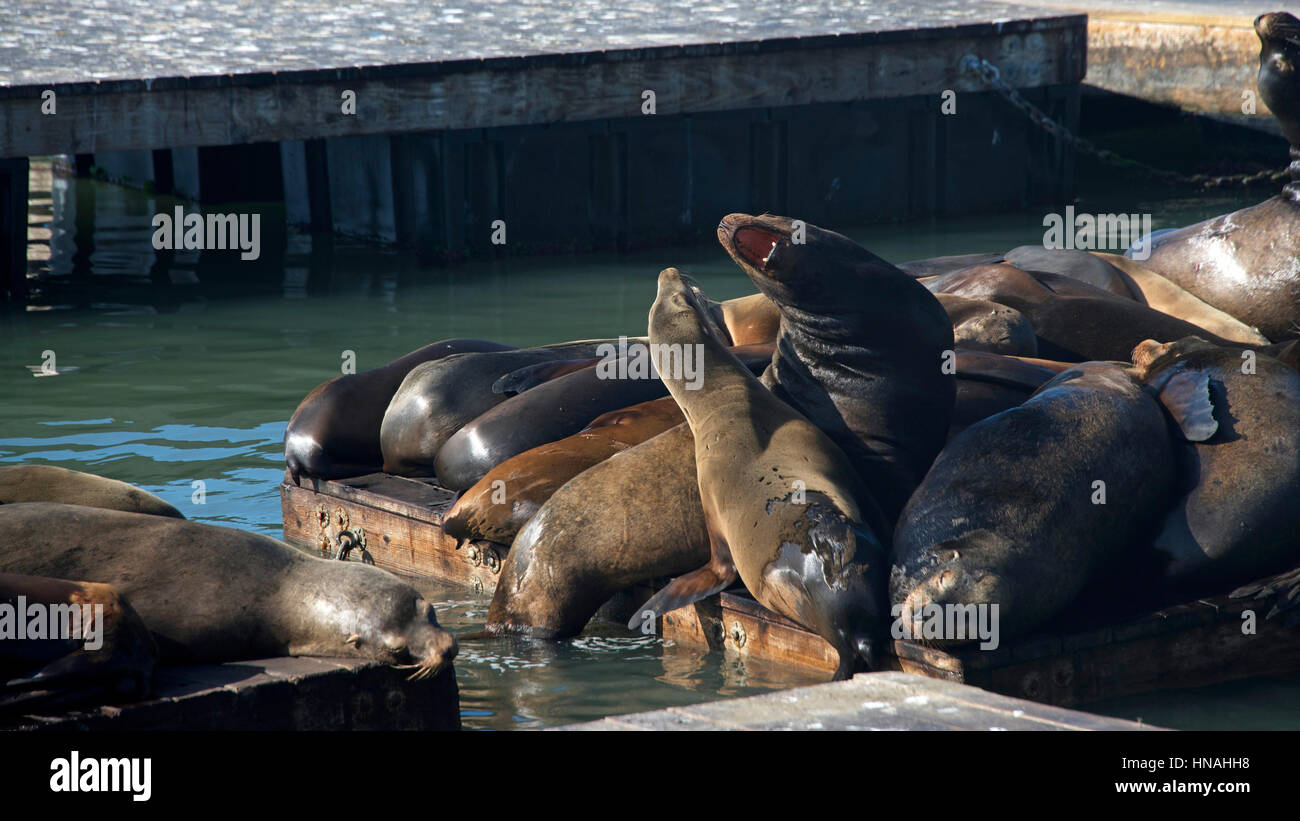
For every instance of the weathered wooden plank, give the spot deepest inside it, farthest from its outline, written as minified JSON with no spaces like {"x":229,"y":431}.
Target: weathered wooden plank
{"x":1188,"y":645}
{"x":167,"y":112}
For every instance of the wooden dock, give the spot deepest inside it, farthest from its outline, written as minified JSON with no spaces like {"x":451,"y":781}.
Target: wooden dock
{"x":275,"y":694}
{"x":1197,"y":55}
{"x":414,"y":124}
{"x":870,"y":701}
{"x":1187,"y":645}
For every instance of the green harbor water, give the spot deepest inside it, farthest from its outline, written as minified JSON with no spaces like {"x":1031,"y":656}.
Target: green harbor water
{"x":189,"y":376}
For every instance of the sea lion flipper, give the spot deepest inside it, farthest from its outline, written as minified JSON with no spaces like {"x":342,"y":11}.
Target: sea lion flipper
{"x":1187,"y":398}
{"x":684,"y":590}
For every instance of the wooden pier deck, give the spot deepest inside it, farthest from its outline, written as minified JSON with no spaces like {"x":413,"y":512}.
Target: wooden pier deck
{"x":468,"y":116}
{"x":1196,"y":55}
{"x":1187,"y":644}
{"x":870,"y":701}
{"x":275,"y":694}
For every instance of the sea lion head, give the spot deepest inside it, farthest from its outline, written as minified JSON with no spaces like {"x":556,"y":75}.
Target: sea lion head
{"x":680,"y":314}
{"x":1279,"y":70}
{"x":800,"y":265}
{"x":378,"y":617}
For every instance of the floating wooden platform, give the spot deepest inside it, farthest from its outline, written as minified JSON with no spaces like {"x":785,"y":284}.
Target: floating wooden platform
{"x":476,"y":114}
{"x":1197,"y":55}
{"x":870,"y":701}
{"x":275,"y":694}
{"x":1187,"y":645}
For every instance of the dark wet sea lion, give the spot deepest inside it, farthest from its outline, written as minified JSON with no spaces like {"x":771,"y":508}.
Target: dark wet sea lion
{"x":938,"y":266}
{"x":214,"y":594}
{"x":438,"y":398}
{"x":1240,"y":520}
{"x":1245,"y":262}
{"x":633,"y":517}
{"x":989,"y":383}
{"x":980,"y":325}
{"x":784,"y":508}
{"x":93,"y":648}
{"x":1010,"y":514}
{"x":334,"y":433}
{"x":554,"y":410}
{"x":47,"y":483}
{"x":860,"y":350}
{"x":503,"y":501}
{"x":1073,"y":320}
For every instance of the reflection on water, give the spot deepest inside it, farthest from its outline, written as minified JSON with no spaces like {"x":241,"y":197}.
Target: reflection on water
{"x":185,"y":369}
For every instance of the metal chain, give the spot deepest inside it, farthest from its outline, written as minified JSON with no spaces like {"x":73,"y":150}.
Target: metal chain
{"x":989,"y":73}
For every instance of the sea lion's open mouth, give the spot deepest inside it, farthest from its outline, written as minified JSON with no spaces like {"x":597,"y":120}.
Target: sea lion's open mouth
{"x":756,"y":245}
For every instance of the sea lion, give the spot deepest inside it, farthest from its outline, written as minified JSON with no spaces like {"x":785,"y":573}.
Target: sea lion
{"x":989,"y":383}
{"x":980,"y":325}
{"x":1239,"y":520}
{"x":860,"y":352}
{"x":93,"y":648}
{"x":1154,"y":291}
{"x":1023,"y":509}
{"x":1073,"y":320}
{"x":1245,"y":262}
{"x":558,"y":408}
{"x":633,"y":517}
{"x":47,"y":483}
{"x":215,"y":594}
{"x":784,"y":508}
{"x":334,"y":432}
{"x":503,"y":501}
{"x":438,"y":398}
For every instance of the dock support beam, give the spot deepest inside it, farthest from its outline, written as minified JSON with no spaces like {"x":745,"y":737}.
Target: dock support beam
{"x":13,"y":228}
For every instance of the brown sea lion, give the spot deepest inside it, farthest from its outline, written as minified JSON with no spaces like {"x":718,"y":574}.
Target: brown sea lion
{"x":214,"y":594}
{"x":860,"y":350}
{"x":989,"y":383}
{"x":1022,"y":510}
{"x":980,"y":325}
{"x":47,"y":483}
{"x":633,"y":517}
{"x":1245,"y":263}
{"x":1073,"y":320}
{"x":334,"y":433}
{"x":1156,"y":292}
{"x":1240,"y":518}
{"x":438,"y":398}
{"x":558,"y":408}
{"x":503,"y":501}
{"x":90,"y":646}
{"x":784,"y":508}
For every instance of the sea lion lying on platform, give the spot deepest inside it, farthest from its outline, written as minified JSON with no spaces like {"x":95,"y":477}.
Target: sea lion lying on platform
{"x":47,"y":483}
{"x":438,"y":398}
{"x":215,"y":594}
{"x":84,"y":645}
{"x":1240,"y":519}
{"x":503,"y":501}
{"x":334,"y":432}
{"x":1025,"y":508}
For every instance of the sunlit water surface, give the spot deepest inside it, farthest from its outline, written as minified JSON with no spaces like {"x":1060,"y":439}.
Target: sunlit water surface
{"x":182,"y":382}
